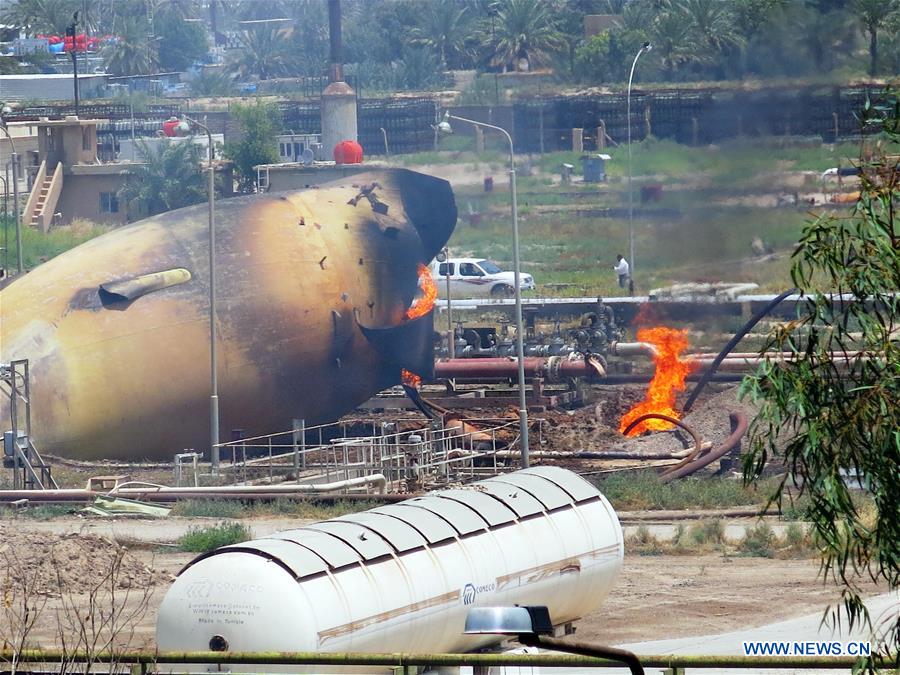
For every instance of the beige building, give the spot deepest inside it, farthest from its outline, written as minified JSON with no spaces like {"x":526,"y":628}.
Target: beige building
{"x":69,"y":181}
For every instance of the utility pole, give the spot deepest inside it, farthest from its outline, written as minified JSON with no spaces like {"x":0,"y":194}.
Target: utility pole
{"x":72,"y":31}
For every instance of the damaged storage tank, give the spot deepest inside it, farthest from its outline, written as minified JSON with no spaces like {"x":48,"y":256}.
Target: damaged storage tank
{"x":313,"y":288}
{"x":401,"y":578}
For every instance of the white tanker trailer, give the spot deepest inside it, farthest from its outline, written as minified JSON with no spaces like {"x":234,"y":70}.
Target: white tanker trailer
{"x":401,"y":578}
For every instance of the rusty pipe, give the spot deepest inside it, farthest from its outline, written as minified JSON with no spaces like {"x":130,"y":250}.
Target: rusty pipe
{"x":553,"y":368}
{"x":739,"y":425}
{"x":82,"y":496}
{"x":698,"y":443}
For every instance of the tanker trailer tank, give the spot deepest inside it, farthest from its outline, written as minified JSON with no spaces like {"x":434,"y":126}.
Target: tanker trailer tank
{"x":401,"y":578}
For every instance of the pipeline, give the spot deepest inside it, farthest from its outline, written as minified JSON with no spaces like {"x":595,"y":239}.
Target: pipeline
{"x":552,"y":369}
{"x":633,"y":349}
{"x":159,"y":493}
{"x":376,"y":479}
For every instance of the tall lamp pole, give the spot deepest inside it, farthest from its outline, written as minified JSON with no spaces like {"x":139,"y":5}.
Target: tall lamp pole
{"x":184,"y":129}
{"x":14,"y":159}
{"x":72,"y":30}
{"x":646,"y":47}
{"x":445,"y":127}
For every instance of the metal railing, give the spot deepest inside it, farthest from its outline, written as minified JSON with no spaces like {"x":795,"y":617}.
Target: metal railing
{"x":430,"y":453}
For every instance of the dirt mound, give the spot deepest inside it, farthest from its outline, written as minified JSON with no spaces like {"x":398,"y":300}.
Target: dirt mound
{"x":74,"y":563}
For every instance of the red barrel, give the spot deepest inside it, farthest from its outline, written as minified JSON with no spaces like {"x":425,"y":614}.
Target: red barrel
{"x":169,"y":127}
{"x":348,"y":152}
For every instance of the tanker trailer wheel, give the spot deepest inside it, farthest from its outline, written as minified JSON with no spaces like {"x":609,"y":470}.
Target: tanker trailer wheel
{"x":502,"y":291}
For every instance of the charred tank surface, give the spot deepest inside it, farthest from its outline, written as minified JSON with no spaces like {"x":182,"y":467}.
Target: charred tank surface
{"x":313,"y":287}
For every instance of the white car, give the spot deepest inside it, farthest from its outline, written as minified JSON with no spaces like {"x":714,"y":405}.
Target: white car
{"x":477,"y":277}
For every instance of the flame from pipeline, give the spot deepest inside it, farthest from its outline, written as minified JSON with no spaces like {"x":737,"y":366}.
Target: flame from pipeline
{"x":410,"y":379}
{"x":667,"y":381}
{"x":427,"y":294}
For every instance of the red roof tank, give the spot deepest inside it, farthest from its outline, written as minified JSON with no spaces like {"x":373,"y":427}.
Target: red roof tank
{"x":348,"y":152}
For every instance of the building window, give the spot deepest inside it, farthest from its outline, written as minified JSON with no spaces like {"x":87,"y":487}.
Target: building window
{"x":109,"y":202}
{"x":85,"y":139}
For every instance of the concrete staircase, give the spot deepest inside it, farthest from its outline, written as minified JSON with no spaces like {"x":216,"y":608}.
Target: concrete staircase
{"x":44,"y":197}
{"x":41,"y":202}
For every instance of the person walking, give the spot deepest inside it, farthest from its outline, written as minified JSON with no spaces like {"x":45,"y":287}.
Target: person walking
{"x":624,"y":271}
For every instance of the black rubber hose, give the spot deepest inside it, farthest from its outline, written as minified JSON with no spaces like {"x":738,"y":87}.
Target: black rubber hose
{"x":739,"y":425}
{"x":671,"y":420}
{"x":732,"y":343}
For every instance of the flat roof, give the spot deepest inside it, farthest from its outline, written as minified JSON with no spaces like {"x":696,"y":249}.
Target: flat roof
{"x":49,"y":76}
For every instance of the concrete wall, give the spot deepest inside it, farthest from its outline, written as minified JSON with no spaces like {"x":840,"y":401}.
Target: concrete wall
{"x":80,"y":198}
{"x":49,"y":87}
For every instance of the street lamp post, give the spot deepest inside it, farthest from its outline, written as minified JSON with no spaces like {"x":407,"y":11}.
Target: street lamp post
{"x":646,"y":47}
{"x":184,"y":129}
{"x":444,"y":127}
{"x":14,"y":159}
{"x":72,"y":30}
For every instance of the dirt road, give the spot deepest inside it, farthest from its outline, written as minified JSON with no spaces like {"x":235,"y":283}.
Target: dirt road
{"x":656,"y":597}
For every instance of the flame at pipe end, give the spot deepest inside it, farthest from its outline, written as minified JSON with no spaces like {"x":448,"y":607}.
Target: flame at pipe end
{"x":667,"y":381}
{"x":410,"y":379}
{"x":424,"y":301}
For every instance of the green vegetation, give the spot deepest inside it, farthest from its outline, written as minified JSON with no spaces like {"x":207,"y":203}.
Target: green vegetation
{"x":759,"y":541}
{"x":693,"y":40}
{"x":38,"y":247}
{"x":259,"y":123}
{"x":708,"y":536}
{"x":38,"y":512}
{"x":830,"y":416}
{"x":280,"y":507}
{"x":202,"y":540}
{"x":168,"y":178}
{"x":209,"y":508}
{"x":643,"y":490}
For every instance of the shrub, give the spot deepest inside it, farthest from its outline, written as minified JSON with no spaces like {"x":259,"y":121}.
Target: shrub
{"x":708,"y":532}
{"x":202,"y":540}
{"x":644,"y":542}
{"x":759,"y":541}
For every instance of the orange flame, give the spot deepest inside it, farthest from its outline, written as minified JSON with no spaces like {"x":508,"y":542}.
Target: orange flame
{"x":410,"y":379}
{"x":667,"y":381}
{"x":427,"y":294}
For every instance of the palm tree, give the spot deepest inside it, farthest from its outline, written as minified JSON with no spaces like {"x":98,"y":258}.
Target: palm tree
{"x":524,"y":30}
{"x":825,"y":35}
{"x":672,"y":39}
{"x":211,"y":82}
{"x":444,"y":28}
{"x":40,"y":16}
{"x":169,"y":177}
{"x":713,"y":23}
{"x":714,"y":31}
{"x":134,"y":52}
{"x":874,"y":15}
{"x":264,"y":53}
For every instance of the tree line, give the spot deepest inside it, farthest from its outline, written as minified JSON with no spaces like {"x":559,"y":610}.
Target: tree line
{"x":409,"y":44}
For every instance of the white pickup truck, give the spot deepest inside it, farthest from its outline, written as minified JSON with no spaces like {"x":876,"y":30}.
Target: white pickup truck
{"x":477,"y":277}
